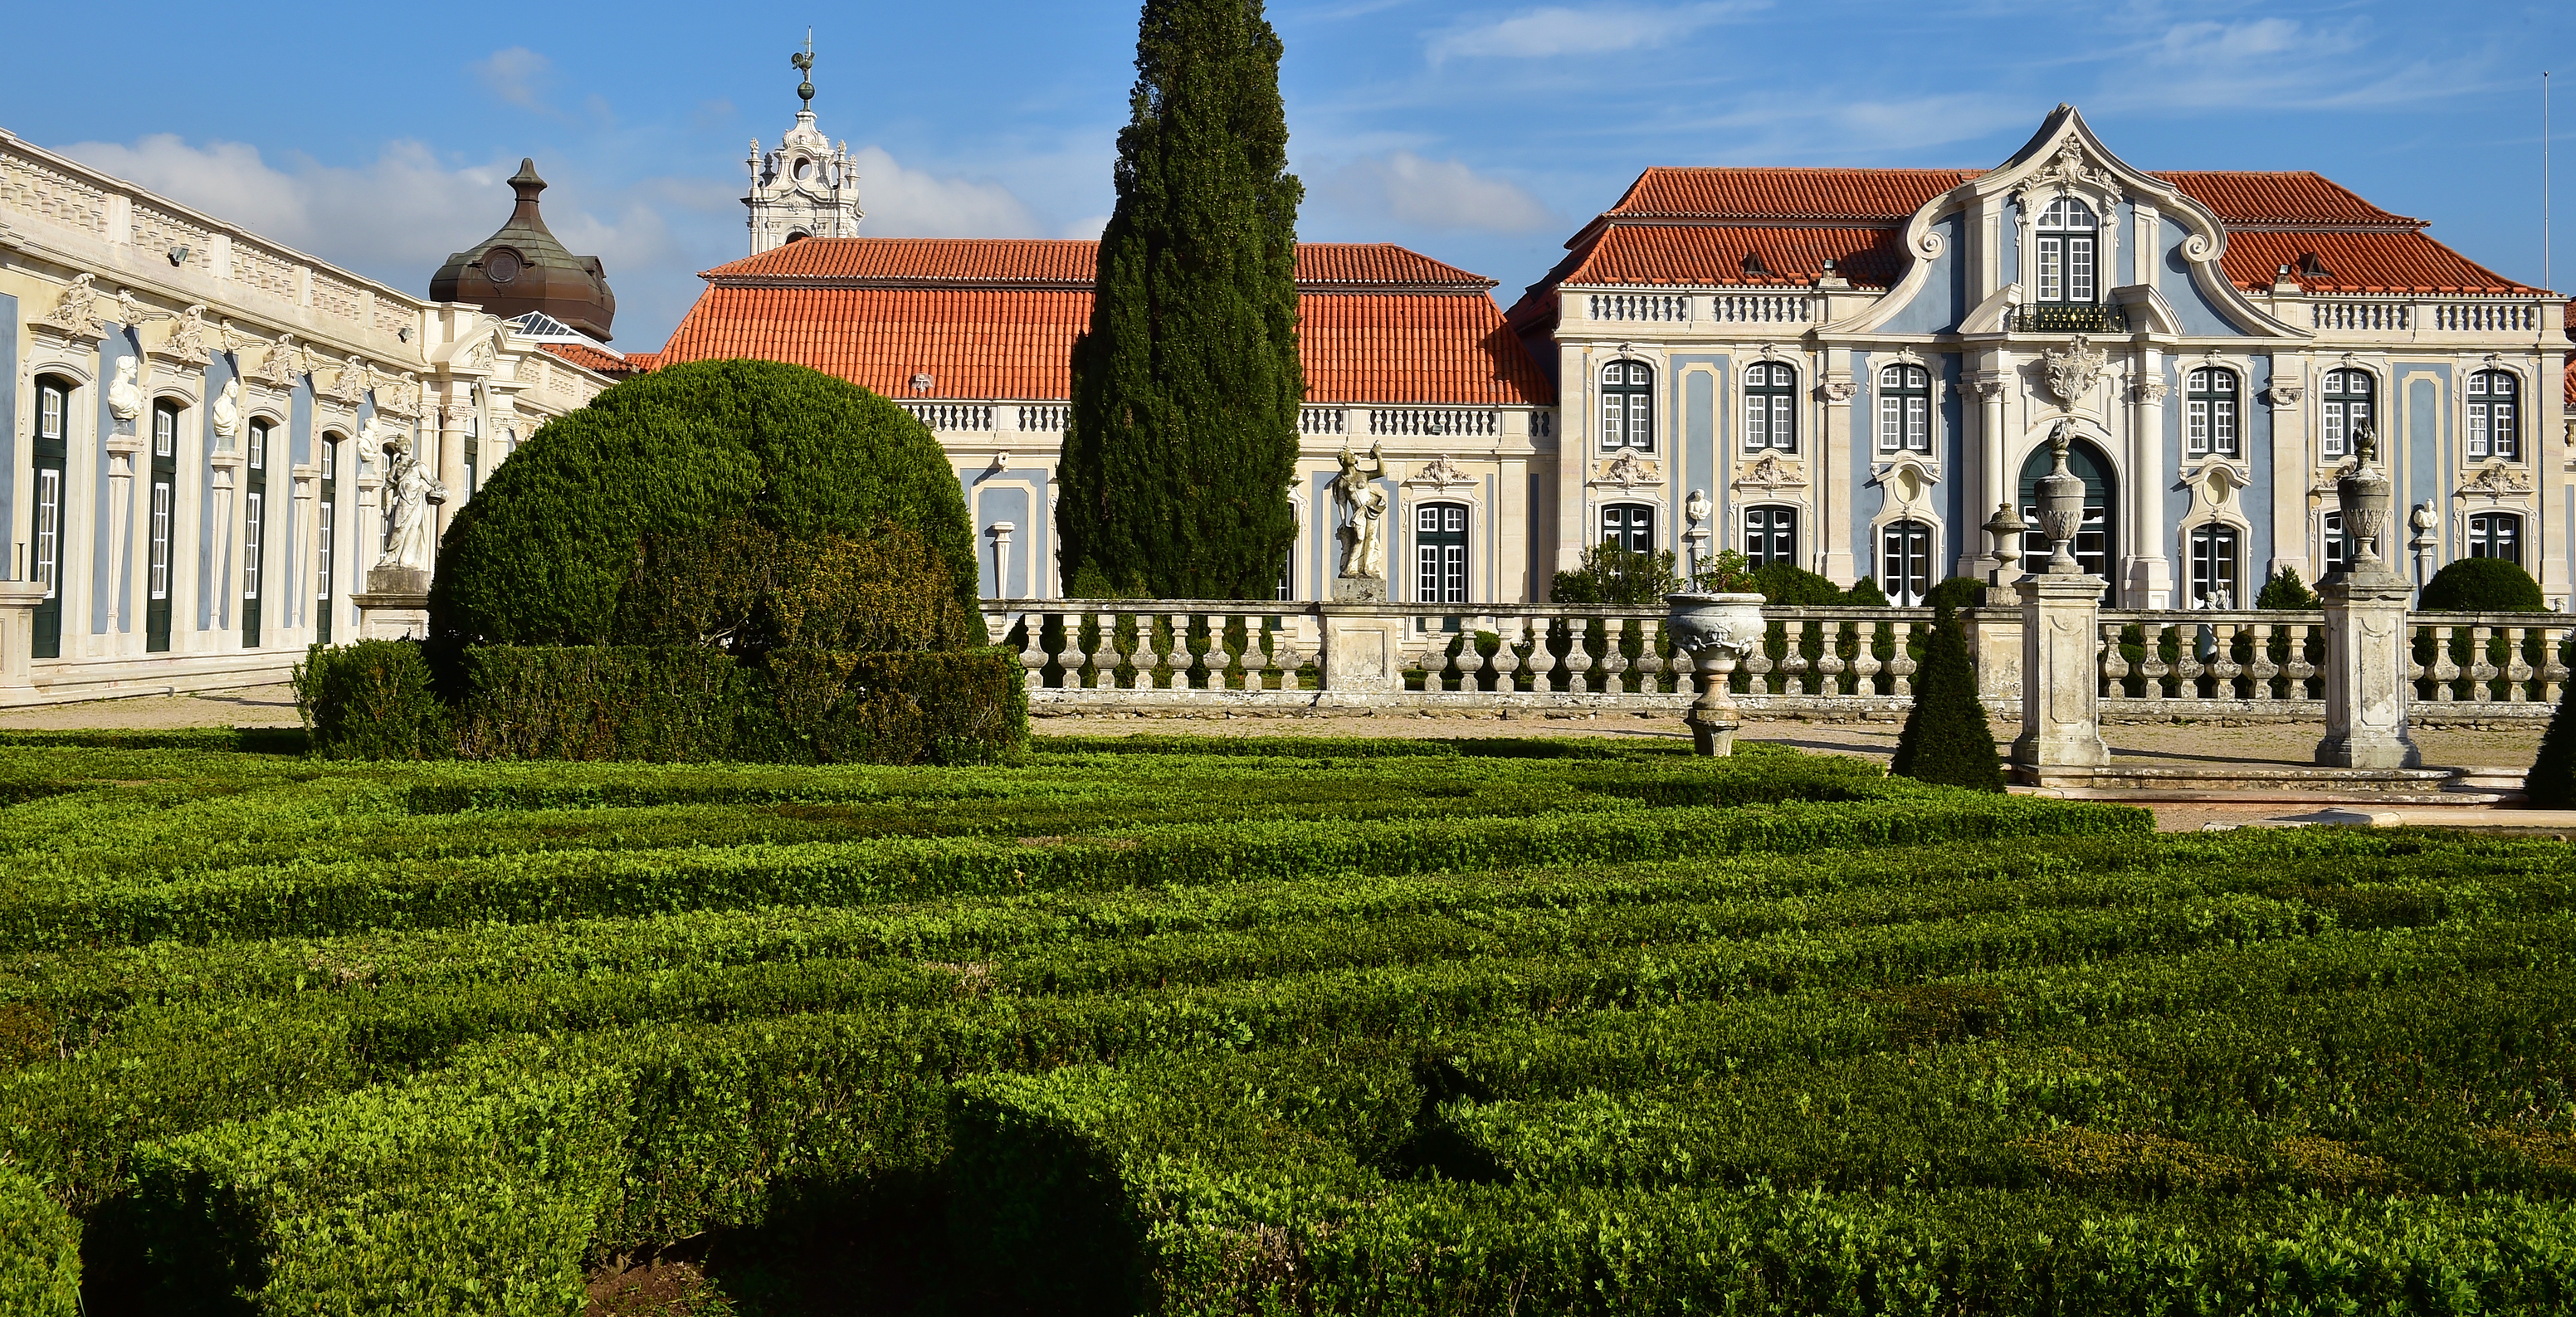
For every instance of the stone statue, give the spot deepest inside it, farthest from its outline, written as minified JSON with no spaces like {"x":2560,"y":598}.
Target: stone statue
{"x":1697,"y":508}
{"x":227,"y":414}
{"x":409,"y":490}
{"x":1362,"y":505}
{"x":125,"y":393}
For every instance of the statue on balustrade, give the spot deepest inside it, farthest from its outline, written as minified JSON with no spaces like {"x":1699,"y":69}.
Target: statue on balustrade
{"x":1361,"y":503}
{"x":412,"y":539}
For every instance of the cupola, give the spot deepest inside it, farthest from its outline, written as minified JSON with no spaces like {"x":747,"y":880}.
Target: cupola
{"x":522,"y":268}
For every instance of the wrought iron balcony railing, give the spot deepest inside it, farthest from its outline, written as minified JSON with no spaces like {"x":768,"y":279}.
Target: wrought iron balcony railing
{"x":2069,"y":318}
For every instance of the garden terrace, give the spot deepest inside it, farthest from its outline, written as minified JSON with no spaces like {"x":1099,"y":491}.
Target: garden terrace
{"x":1180,"y":1025}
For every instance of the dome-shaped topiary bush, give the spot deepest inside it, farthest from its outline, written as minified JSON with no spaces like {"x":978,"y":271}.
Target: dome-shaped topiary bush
{"x":2483,"y":585}
{"x":737,"y":503}
{"x":1795,"y":587}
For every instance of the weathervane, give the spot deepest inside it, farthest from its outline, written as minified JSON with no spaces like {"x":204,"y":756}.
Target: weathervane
{"x":804,"y":62}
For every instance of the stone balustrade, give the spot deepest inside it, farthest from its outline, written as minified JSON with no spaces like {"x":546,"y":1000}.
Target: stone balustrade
{"x":1185,"y":657}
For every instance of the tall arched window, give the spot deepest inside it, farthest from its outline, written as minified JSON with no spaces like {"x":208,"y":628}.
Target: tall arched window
{"x":2346,"y":395}
{"x":2214,"y":578}
{"x":2210,"y":412}
{"x":1440,"y":551}
{"x":1905,"y":562}
{"x":254,"y":527}
{"x":1629,"y":526}
{"x":1770,"y":407}
{"x":2068,"y":231}
{"x":325,"y":537}
{"x":45,"y":554}
{"x":1627,"y":406}
{"x":165,"y":479}
{"x":1904,"y":409}
{"x":2495,"y":423}
{"x":1771,"y":535}
{"x":2496,"y":535}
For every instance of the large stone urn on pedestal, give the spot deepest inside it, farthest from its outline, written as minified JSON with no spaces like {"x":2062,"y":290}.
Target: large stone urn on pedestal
{"x":1717,"y":631}
{"x":2367,"y":690}
{"x":2061,"y":613}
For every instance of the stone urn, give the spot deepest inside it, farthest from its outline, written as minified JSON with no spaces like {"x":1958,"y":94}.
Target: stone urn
{"x":1717,"y":631}
{"x":2061,"y":508}
{"x":2363,"y":495}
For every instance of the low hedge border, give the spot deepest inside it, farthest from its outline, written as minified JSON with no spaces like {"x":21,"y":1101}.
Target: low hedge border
{"x":40,"y":1266}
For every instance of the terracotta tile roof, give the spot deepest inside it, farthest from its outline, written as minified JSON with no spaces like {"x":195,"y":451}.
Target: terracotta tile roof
{"x":1059,"y":263}
{"x":2246,"y":198}
{"x":2395,"y":261}
{"x":1886,"y":196}
{"x":592,"y":358}
{"x":1002,"y":323}
{"x":1716,"y":254}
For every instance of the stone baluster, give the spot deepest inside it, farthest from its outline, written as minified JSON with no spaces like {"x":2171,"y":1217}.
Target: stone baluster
{"x":1578,"y":652}
{"x":1507,"y":664}
{"x":2482,"y":668}
{"x":1542,"y":663}
{"x":1866,"y":664}
{"x":1900,"y":660}
{"x":2151,"y":661}
{"x":2446,"y":674}
{"x":2115,"y":669}
{"x":1649,"y":665}
{"x":2518,"y":671}
{"x":2260,"y":664}
{"x":2187,"y":665}
{"x":1033,"y":655}
{"x":1614,"y":654}
{"x":1829,"y":660}
{"x":1793,"y":662}
{"x":2417,"y":673}
{"x":2295,"y":663}
{"x":2223,"y":667}
{"x":2553,"y":664}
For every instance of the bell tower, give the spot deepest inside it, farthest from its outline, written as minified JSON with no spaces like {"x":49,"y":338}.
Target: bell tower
{"x":807,"y":187}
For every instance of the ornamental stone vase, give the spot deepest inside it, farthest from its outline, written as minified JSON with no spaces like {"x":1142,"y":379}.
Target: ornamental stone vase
{"x":2363,"y":495}
{"x":1717,"y":631}
{"x":2061,"y":508}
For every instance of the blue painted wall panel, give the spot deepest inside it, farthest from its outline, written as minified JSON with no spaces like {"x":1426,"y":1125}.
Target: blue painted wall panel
{"x":2198,"y":314}
{"x":1942,"y":301}
{"x":219,"y":373}
{"x":106,"y":596}
{"x":2425,"y":451}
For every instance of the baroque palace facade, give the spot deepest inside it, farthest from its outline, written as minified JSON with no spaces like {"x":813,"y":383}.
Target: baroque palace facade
{"x":199,"y":420}
{"x":1852,"y":370}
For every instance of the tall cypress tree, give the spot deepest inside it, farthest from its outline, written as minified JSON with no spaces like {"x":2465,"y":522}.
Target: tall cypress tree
{"x":1183,"y":435}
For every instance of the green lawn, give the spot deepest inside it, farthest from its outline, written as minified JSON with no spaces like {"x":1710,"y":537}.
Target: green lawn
{"x":1256,"y":1026}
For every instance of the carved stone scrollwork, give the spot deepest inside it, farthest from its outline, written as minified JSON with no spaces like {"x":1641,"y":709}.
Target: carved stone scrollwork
{"x":1630,"y":469}
{"x":1442,"y":472}
{"x":2073,"y":370}
{"x":2495,"y":481}
{"x":187,"y":340}
{"x":75,"y":311}
{"x":350,"y":386}
{"x":2070,"y":169}
{"x":2286,"y":393}
{"x":1839,"y":390}
{"x":2150,"y":390}
{"x":285,"y":364}
{"x":1770,"y":472}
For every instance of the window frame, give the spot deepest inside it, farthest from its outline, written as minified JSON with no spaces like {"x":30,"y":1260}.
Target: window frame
{"x":2482,"y":537}
{"x":1898,"y":584}
{"x":1774,"y":521}
{"x":2333,"y":551}
{"x":2213,"y":417}
{"x":1637,"y":535}
{"x":1634,"y":397}
{"x":1770,"y":404}
{"x":2201,"y":550}
{"x":1441,"y":552}
{"x":2060,"y":245}
{"x":2337,"y":400}
{"x":49,"y":527}
{"x":2494,"y":420}
{"x":1904,"y":408}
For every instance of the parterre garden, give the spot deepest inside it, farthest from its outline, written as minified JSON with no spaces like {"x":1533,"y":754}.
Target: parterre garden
{"x":1266,"y":1026}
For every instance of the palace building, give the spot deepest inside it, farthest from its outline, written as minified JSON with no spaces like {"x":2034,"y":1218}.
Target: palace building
{"x":194,"y":455}
{"x":1852,"y":370}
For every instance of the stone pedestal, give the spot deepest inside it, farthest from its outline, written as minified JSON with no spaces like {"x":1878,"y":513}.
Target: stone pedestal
{"x":1359,"y":589}
{"x":395,"y":605}
{"x":1363,"y":651}
{"x":2366,"y":687}
{"x":1713,"y":718}
{"x":2061,"y":699}
{"x":18,"y":600}
{"x":1994,"y":645}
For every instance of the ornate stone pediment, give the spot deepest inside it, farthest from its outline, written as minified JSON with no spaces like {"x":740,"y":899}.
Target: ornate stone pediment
{"x":2073,"y":370}
{"x":1628,"y":468}
{"x":351,"y":385}
{"x":74,"y":311}
{"x":187,"y":339}
{"x":2069,"y":167}
{"x":285,"y":364}
{"x":1771,"y":471}
{"x":1906,"y":479}
{"x":1441,"y":473}
{"x":2495,"y":481}
{"x":402,"y":398}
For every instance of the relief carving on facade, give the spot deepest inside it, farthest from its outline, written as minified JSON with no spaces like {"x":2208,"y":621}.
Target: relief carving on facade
{"x":1839,"y":389}
{"x":1770,"y":472}
{"x":2495,"y":481}
{"x":350,"y":386}
{"x":187,"y":339}
{"x":285,"y":364}
{"x":74,"y":312}
{"x":1630,"y":469}
{"x":1441,"y":472}
{"x":2073,"y":370}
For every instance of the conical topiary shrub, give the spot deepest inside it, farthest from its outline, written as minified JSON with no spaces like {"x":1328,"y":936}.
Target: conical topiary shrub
{"x":1946,"y":740}
{"x":2551,"y":783}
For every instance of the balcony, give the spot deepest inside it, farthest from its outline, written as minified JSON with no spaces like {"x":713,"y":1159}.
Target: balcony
{"x":2069,"y":318}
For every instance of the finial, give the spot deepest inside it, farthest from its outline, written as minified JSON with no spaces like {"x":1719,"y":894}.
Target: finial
{"x":804,"y":62}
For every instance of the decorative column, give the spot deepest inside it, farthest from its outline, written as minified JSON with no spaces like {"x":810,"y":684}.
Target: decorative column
{"x":1993,"y":481}
{"x":2149,"y":569}
{"x":125,"y":401}
{"x":1001,"y":532}
{"x":2367,"y":690}
{"x":2061,"y":613}
{"x":2290,"y":478}
{"x":1833,"y":540}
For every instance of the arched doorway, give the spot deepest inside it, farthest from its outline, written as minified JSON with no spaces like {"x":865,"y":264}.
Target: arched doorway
{"x":2098,"y":539}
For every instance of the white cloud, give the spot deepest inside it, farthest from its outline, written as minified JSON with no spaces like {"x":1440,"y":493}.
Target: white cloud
{"x":1432,"y":194}
{"x":914,"y":203}
{"x":395,"y":219}
{"x":514,"y":75}
{"x":1589,"y":30}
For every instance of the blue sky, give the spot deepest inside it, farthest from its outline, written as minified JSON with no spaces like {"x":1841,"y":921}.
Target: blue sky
{"x":1482,"y":134}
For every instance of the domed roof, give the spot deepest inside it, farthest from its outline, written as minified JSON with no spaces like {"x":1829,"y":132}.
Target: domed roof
{"x":523,"y":268}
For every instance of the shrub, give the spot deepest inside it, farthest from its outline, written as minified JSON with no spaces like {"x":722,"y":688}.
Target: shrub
{"x":748,"y":589}
{"x":39,"y":1251}
{"x":1727,"y":571}
{"x":1865,"y":593}
{"x":1956,"y":593}
{"x":1609,"y":574}
{"x":1946,"y":739}
{"x":1795,"y":587}
{"x":2286,"y":591}
{"x":544,"y":552}
{"x":649,"y":702}
{"x":903,"y":708}
{"x":2551,"y":783}
{"x":2483,"y":585}
{"x":371,"y":700}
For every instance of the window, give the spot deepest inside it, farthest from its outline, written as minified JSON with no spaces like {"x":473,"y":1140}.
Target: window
{"x":2496,"y":535}
{"x":1627,"y":406}
{"x":2213,"y":567}
{"x":45,"y":555}
{"x":1771,"y":535}
{"x":2210,"y":412}
{"x":1904,"y":410}
{"x":156,"y":570}
{"x":2067,"y":234}
{"x":259,"y":445}
{"x":165,"y":429}
{"x":1287,"y":587}
{"x":2346,"y":394}
{"x":2495,"y":428}
{"x":1770,"y":407}
{"x":254,"y":523}
{"x":1905,"y":562}
{"x":1440,"y":549}
{"x":251,"y":518}
{"x":2336,"y":553}
{"x":327,"y":535}
{"x":1629,"y":526}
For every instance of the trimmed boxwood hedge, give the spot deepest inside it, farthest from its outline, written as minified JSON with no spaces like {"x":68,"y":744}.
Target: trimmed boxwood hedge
{"x":371,"y":700}
{"x":39,"y":1250}
{"x":545,"y":552}
{"x":2483,"y":585}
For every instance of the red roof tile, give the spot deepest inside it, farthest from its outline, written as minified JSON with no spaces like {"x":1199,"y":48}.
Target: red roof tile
{"x":2243,"y":198}
{"x":1884,"y":196}
{"x":998,"y":329}
{"x":1715,"y":254}
{"x":2395,"y":261}
{"x":1065,"y":263}
{"x":592,"y":358}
